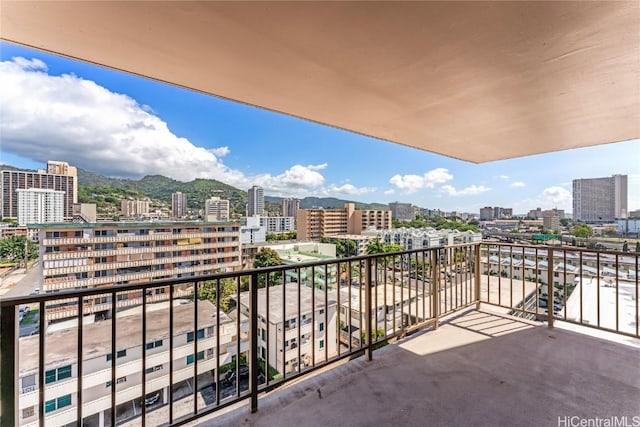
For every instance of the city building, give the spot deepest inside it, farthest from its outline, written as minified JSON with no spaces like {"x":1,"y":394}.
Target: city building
{"x":495,"y":212}
{"x":401,"y":211}
{"x":278,"y":224}
{"x":313,"y":224}
{"x":13,"y":180}
{"x":361,"y":241}
{"x":216,"y":209}
{"x":296,"y":328}
{"x":102,"y":254}
{"x":84,"y":212}
{"x":551,"y":221}
{"x":252,"y":232}
{"x":424,"y":238}
{"x":39,"y":206}
{"x":290,"y":207}
{"x":178,"y":205}
{"x":598,"y":200}
{"x":255,"y":201}
{"x":134,"y":208}
{"x":62,"y":369}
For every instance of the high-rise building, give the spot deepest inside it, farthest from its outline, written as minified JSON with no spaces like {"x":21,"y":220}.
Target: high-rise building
{"x":496,"y":212}
{"x":134,"y":207}
{"x":486,"y":213}
{"x":13,"y":180}
{"x":290,"y":207}
{"x":401,"y":211}
{"x":255,"y":203}
{"x":216,"y":209}
{"x":40,"y":206}
{"x":313,"y":224}
{"x":178,"y":205}
{"x":600,"y":199}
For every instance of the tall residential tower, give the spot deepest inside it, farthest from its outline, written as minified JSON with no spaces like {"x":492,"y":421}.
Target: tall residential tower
{"x":255,"y":203}
{"x":600,"y":199}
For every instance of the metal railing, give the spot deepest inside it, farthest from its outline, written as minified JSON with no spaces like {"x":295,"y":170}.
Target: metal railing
{"x":237,"y":334}
{"x":597,"y":289}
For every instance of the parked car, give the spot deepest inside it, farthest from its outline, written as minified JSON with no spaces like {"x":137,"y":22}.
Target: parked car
{"x":151,"y":399}
{"x":231,"y":375}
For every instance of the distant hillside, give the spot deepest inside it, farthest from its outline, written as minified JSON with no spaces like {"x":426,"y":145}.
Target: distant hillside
{"x":107,"y":192}
{"x":329,"y":203}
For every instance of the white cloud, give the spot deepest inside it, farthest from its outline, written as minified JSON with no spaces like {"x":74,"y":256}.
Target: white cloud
{"x":504,"y":177}
{"x":66,"y":117}
{"x":557,"y":196}
{"x":220,"y":151}
{"x":450,"y":190}
{"x":390,"y":191}
{"x":413,"y":183}
{"x":517,"y":184}
{"x":551,"y":197}
{"x":348,"y":189}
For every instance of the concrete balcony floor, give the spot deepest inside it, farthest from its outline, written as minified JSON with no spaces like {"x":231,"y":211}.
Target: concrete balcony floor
{"x":479,"y":368}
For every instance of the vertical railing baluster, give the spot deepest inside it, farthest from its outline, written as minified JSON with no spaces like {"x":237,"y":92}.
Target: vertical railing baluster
{"x":326,"y":317}
{"x":313,"y":312}
{"x":217,"y":373}
{"x":598,"y":286}
{"x":617,"y":295}
{"x":144,"y":358}
{"x":299,"y":317}
{"x":368,"y":285}
{"x":435,"y":289}
{"x":41,"y":380}
{"x":114,"y":356}
{"x":170,"y":388}
{"x":253,"y":342}
{"x":79,"y":365}
{"x":195,"y":346}
{"x":9,"y":349}
{"x":550,"y":288}
{"x":476,"y":274}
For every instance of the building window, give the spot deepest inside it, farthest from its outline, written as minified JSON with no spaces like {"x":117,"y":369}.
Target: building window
{"x":154,"y":344}
{"x":321,"y":326}
{"x":263,"y":334}
{"x":190,"y":357}
{"x":29,"y":412}
{"x":53,"y":404}
{"x":190,"y":335}
{"x":321,"y":344}
{"x":54,"y":375}
{"x":121,"y":353}
{"x":153,"y":369}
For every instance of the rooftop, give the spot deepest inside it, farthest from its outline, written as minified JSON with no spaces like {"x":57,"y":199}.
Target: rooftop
{"x":478,"y":368}
{"x":61,"y":344}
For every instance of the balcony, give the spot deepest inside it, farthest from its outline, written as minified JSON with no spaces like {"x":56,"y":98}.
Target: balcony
{"x":449,"y":334}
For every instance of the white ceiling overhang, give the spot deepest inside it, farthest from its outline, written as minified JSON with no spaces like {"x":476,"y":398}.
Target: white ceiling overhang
{"x":478,"y":81}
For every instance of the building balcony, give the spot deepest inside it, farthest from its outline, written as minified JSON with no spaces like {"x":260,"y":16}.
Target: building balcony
{"x":449,"y":342}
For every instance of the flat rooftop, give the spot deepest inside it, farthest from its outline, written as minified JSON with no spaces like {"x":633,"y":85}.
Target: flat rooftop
{"x":60,"y":345}
{"x":478,"y":368}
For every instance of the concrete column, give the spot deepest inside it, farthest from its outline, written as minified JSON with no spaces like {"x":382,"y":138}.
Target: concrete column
{"x":101,"y":418}
{"x":165,"y":395}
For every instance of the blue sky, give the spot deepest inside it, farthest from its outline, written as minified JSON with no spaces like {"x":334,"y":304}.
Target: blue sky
{"x":120,"y":125}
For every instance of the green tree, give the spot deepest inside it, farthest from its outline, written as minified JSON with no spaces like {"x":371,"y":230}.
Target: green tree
{"x":12,"y":248}
{"x":582,"y":230}
{"x":267,"y":257}
{"x":375,"y":247}
{"x":228,"y":288}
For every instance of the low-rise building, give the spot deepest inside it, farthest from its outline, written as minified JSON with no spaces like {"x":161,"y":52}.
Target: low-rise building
{"x":62,"y":367}
{"x":314,"y":224}
{"x":424,"y":238}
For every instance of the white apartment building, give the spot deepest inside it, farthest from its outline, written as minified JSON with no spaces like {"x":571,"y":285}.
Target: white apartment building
{"x":102,"y":254}
{"x":278,"y":224}
{"x":40,"y":206}
{"x":289,"y":339}
{"x":62,"y":368}
{"x":216,"y":209}
{"x":132,"y":208}
{"x":253,"y":232}
{"x":255,"y":201}
{"x":424,"y":238}
{"x":13,"y":180}
{"x":600,"y":199}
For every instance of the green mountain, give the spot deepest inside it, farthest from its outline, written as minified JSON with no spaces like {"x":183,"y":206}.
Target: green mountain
{"x":107,"y":193}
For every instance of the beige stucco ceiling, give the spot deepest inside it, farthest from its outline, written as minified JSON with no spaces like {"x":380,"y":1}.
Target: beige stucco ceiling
{"x":478,"y":81}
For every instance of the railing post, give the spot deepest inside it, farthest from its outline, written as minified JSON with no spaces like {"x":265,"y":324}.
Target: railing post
{"x":253,"y":342}
{"x":435,"y":288}
{"x":476,"y":274}
{"x":367,"y":309}
{"x":9,"y":365}
{"x":550,"y":287}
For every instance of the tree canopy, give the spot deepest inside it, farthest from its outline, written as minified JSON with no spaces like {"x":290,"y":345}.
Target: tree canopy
{"x":582,"y":230}
{"x":12,"y":248}
{"x":266,"y":257}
